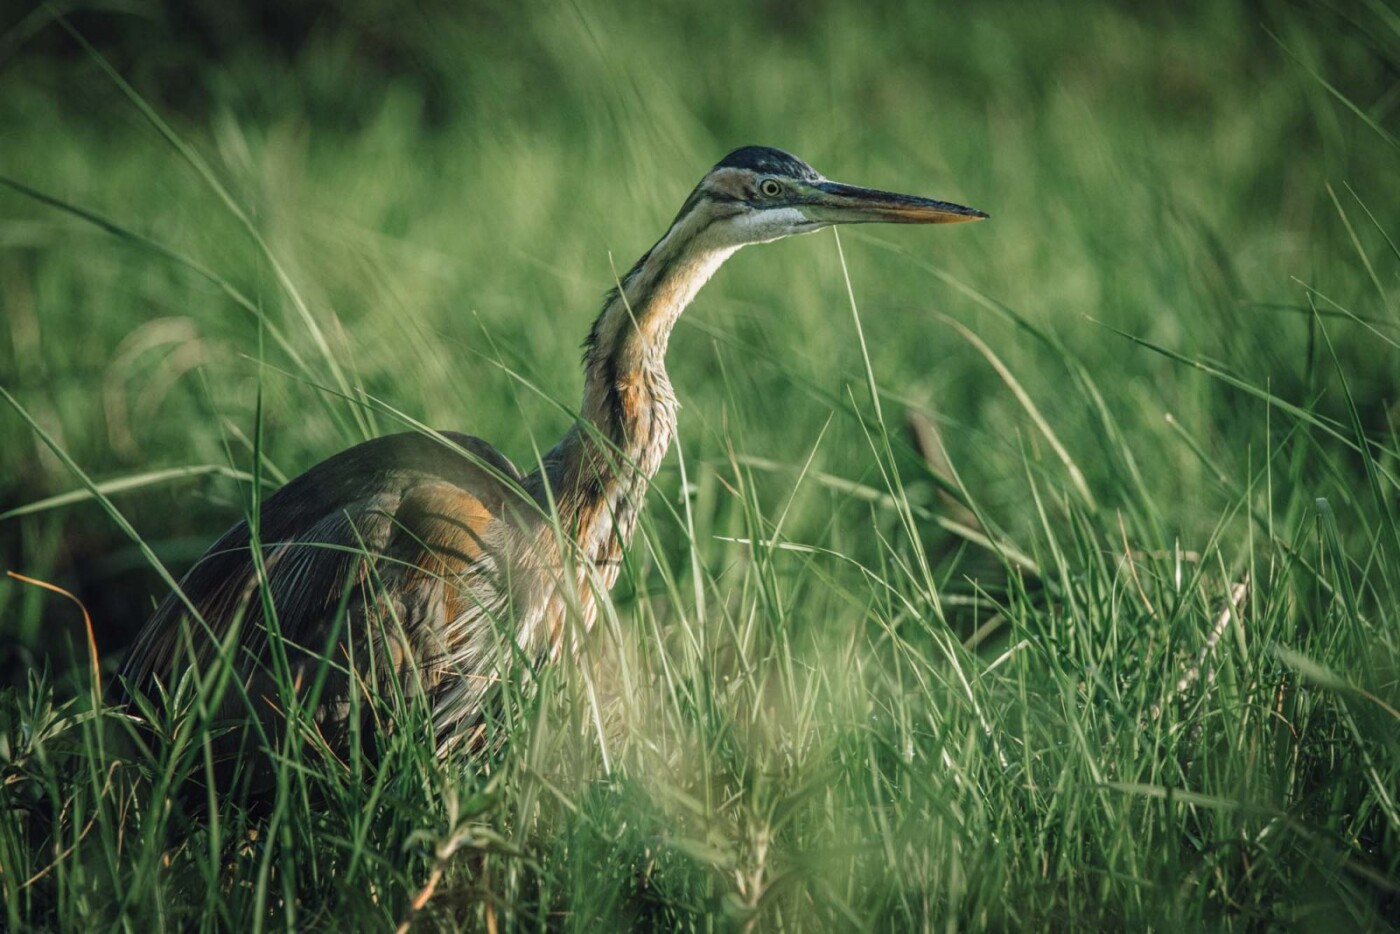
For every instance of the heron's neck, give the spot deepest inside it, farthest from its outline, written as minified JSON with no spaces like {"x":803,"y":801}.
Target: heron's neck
{"x":599,"y":473}
{"x":625,"y":364}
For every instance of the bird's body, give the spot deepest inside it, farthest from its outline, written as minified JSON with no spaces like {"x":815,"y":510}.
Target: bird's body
{"x":420,"y":564}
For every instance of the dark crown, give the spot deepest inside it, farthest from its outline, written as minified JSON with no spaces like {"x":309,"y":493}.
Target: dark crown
{"x":768,"y":161}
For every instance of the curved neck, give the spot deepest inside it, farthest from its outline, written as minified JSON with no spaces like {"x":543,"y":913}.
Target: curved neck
{"x":625,"y":358}
{"x":599,"y":472}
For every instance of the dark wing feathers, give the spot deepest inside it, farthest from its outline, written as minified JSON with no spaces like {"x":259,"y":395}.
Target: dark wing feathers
{"x":403,"y":531}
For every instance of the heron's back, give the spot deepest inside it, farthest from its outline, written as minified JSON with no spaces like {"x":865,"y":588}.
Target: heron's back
{"x":393,"y":564}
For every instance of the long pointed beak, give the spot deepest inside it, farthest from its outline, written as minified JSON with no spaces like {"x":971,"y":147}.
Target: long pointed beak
{"x":849,"y":204}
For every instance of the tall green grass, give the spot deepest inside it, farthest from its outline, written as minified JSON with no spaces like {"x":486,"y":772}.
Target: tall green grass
{"x":1039,"y":573}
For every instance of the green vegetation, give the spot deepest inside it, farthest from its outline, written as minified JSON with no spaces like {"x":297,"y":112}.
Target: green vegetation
{"x":1127,"y":658}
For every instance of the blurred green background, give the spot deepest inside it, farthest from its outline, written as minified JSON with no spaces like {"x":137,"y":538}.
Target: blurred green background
{"x":451,"y":187}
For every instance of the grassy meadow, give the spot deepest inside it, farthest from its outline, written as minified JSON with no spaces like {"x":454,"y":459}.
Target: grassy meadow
{"x":1038,"y":573}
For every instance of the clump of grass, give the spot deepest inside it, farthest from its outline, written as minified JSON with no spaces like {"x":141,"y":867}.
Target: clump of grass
{"x":1112,"y":646}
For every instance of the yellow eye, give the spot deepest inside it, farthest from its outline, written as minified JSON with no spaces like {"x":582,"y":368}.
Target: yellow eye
{"x":769,"y":188}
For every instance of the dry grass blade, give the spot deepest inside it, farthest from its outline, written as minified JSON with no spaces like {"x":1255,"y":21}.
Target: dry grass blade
{"x":929,"y":443}
{"x":1239,"y":593}
{"x":95,"y":668}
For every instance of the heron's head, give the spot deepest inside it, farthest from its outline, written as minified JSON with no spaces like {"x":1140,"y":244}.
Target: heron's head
{"x":757,"y":194}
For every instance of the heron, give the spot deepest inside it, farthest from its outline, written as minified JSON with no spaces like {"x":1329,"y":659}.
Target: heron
{"x":420,"y":564}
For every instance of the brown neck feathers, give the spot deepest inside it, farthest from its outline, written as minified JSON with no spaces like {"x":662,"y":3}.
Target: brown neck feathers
{"x":599,"y":473}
